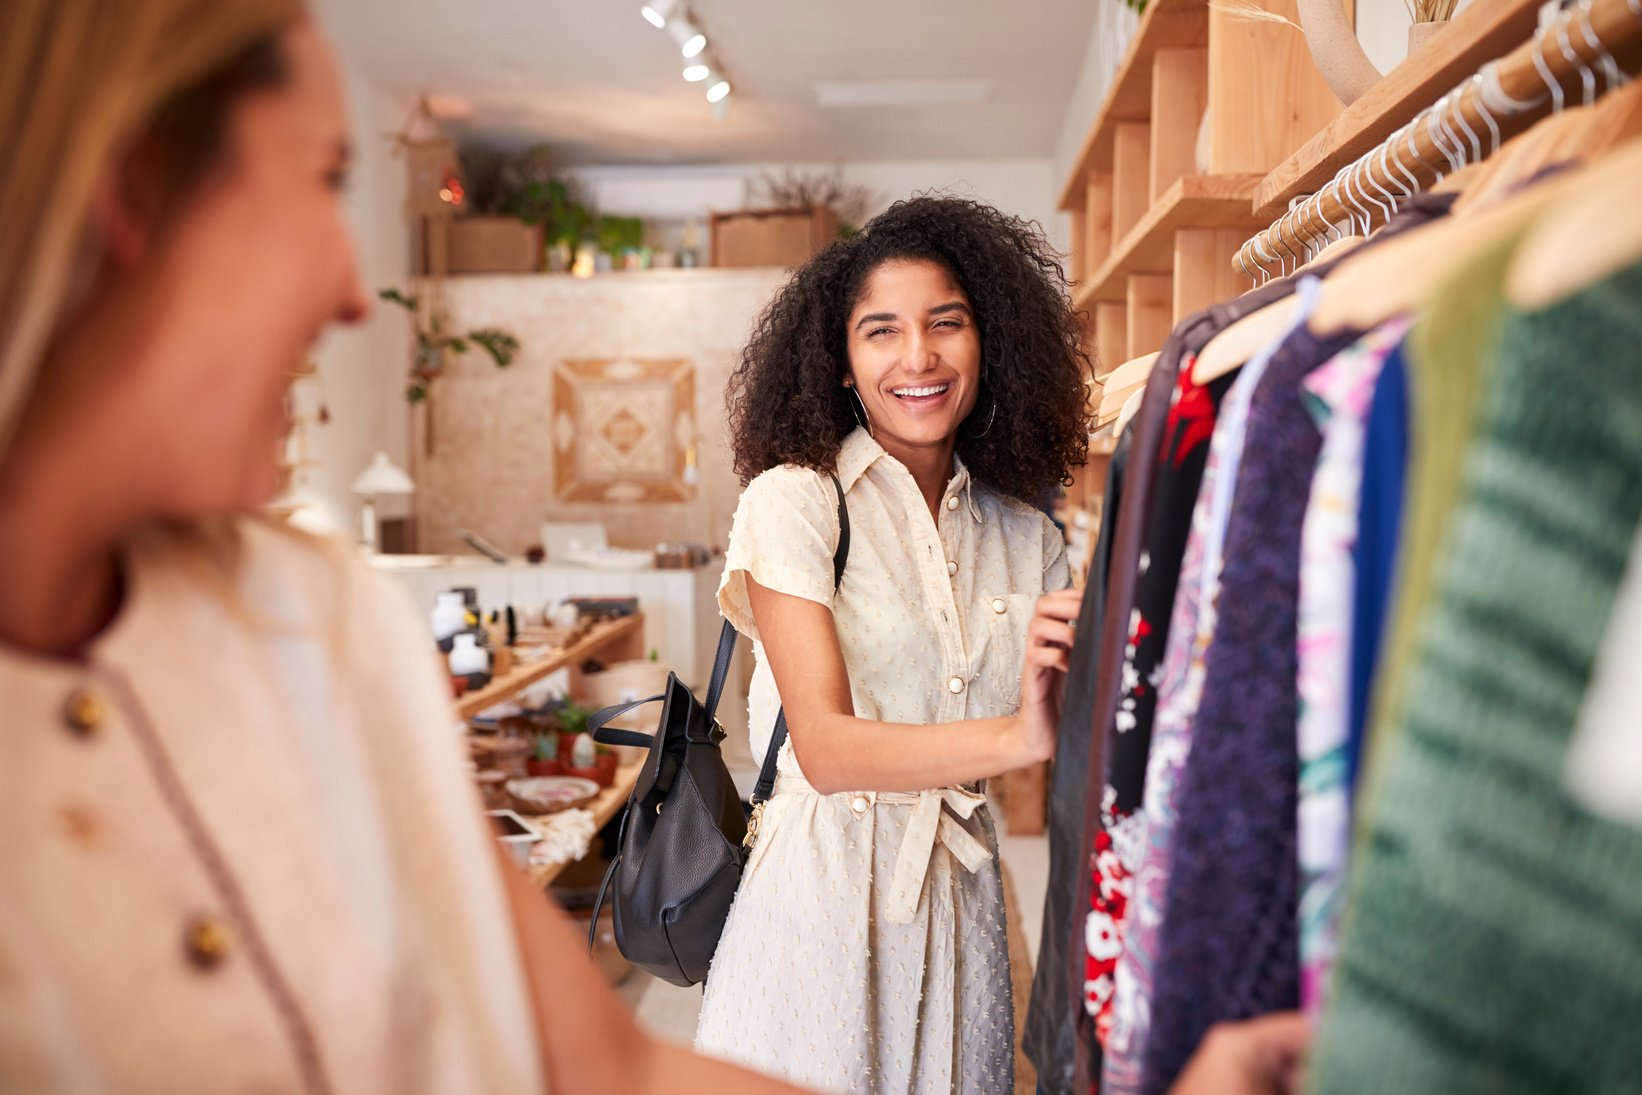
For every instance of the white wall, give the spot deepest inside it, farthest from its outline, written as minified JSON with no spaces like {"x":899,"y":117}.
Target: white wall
{"x":361,"y":368}
{"x":1022,"y":187}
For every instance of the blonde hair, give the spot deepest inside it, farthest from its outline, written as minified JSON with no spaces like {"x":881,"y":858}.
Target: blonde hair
{"x":80,"y":81}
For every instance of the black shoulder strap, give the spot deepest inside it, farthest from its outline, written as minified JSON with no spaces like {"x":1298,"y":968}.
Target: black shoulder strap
{"x":840,"y":556}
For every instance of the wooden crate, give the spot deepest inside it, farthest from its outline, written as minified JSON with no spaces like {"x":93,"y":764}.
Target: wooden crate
{"x":771,"y":237}
{"x":494,"y":245}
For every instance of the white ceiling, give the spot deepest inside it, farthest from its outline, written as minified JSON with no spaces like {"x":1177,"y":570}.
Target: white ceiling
{"x":600,"y":85}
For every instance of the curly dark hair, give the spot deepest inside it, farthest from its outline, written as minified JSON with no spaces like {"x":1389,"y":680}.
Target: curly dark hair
{"x":785,"y":398}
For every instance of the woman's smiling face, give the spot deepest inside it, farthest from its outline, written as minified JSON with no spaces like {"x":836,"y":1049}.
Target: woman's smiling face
{"x":914,"y":354}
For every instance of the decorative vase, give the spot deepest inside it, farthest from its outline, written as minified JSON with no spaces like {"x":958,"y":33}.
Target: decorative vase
{"x":1420,"y":34}
{"x":466,"y":659}
{"x":449,"y":615}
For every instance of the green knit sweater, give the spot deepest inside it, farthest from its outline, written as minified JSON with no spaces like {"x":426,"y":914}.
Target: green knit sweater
{"x":1494,"y":942}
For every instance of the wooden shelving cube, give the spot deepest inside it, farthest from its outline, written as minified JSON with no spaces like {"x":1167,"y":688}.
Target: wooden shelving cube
{"x":1203,"y":270}
{"x":1150,"y":313}
{"x":1180,"y":95}
{"x":1131,"y":175}
{"x":1111,"y":335}
{"x":1266,"y":97}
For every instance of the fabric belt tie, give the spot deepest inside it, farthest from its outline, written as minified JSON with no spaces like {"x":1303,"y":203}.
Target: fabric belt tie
{"x":935,"y":815}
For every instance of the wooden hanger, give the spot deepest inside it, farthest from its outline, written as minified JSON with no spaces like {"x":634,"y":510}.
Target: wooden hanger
{"x":1131,"y":372}
{"x":1590,"y":236}
{"x":1231,"y":349}
{"x":1131,"y":407}
{"x":1122,"y":382}
{"x":1399,"y":275}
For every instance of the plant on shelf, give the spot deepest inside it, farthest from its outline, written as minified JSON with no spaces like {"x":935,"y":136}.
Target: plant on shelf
{"x":795,"y":189}
{"x":522,"y":185}
{"x":433,"y":342}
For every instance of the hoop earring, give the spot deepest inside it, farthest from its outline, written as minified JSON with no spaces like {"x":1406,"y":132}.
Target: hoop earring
{"x":992,"y":414}
{"x":859,"y":409}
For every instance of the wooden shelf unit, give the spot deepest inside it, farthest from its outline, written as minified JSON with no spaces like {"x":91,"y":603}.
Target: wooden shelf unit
{"x":1485,"y":30}
{"x":618,"y":640}
{"x":1201,"y":87}
{"x":1191,"y":203}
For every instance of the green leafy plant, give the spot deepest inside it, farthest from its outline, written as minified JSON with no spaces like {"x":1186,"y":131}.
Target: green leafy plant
{"x":618,"y":234}
{"x":432,"y":342}
{"x":547,"y":746}
{"x":549,"y":203}
{"x":573,"y":717}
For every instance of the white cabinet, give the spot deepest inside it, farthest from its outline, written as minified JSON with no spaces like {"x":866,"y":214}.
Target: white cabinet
{"x":681,"y":620}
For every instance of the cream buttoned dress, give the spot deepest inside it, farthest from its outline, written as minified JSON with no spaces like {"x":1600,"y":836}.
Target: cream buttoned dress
{"x":866,"y":951}
{"x":239,"y":851}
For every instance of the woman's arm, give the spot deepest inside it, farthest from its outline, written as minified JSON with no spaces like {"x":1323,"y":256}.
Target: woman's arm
{"x":590,"y":1041}
{"x":840,"y":752}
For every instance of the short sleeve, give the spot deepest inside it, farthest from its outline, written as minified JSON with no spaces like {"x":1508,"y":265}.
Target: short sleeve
{"x":1057,"y":574}
{"x":784,"y":535}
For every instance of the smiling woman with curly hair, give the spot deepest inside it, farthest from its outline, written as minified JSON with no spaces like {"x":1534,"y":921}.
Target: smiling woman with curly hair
{"x":924,"y":382}
{"x":787,"y":400}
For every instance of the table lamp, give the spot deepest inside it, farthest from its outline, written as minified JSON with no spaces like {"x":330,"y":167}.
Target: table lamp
{"x":381,"y":477}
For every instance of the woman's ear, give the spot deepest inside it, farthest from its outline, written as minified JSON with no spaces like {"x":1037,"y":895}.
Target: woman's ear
{"x":128,"y":204}
{"x":114,"y":224}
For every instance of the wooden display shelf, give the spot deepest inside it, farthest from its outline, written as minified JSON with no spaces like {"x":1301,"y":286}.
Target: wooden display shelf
{"x":1167,"y":24}
{"x":1196,"y":201}
{"x":607,"y":805}
{"x":1485,"y":30}
{"x":620,"y":640}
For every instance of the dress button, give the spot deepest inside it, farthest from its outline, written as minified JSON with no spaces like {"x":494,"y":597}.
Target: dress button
{"x":955,"y":685}
{"x":951,"y":567}
{"x":952,"y":503}
{"x":206,"y":940}
{"x":84,"y":711}
{"x":999,"y":605}
{"x":859,"y":804}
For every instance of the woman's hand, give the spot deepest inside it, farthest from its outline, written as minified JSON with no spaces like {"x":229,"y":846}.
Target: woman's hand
{"x":1257,"y":1057}
{"x":1043,"y":678}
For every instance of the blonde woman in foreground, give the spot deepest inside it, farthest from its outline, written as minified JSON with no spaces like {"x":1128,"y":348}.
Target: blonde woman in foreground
{"x":237,"y":848}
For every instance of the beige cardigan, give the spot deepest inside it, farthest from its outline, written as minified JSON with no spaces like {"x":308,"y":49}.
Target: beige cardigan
{"x":238,"y":850}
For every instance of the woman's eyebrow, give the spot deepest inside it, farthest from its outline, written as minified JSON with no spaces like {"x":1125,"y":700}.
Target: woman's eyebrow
{"x":876,"y":317}
{"x":950,"y":306}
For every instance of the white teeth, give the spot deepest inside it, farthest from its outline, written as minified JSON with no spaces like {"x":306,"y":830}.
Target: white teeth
{"x":931,"y":389}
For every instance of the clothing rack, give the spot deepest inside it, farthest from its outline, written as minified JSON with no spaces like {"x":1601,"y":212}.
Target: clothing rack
{"x":1589,"y":44}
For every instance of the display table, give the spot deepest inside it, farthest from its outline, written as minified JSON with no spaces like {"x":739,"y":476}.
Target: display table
{"x":612,"y":641}
{"x":610,"y":802}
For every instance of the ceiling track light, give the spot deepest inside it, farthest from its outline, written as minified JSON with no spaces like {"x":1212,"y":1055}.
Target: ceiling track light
{"x":673,"y":16}
{"x":657,"y":12}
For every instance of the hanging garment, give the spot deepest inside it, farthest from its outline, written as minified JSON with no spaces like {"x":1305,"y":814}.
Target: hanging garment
{"x":1120,"y":840}
{"x":1338,"y":395}
{"x":1190,"y":632}
{"x":866,"y":951}
{"x":1145,"y":433}
{"x":1379,"y":529}
{"x":1229,"y":948}
{"x":1605,"y":760}
{"x":1450,"y":351}
{"x":1493,"y":943}
{"x":1047,"y":1036}
{"x":1189,"y":336}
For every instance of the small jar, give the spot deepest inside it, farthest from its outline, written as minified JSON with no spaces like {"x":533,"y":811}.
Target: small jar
{"x":466,"y":658}
{"x":449,"y":615}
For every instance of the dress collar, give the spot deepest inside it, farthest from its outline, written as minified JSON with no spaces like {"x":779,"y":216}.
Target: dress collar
{"x":859,"y":451}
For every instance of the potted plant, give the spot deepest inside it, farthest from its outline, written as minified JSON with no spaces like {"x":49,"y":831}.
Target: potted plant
{"x":432,"y":343}
{"x":544,"y":759}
